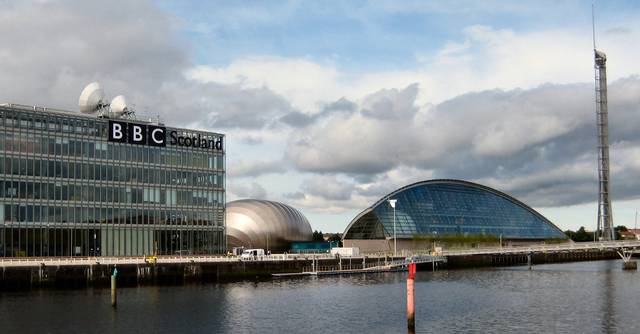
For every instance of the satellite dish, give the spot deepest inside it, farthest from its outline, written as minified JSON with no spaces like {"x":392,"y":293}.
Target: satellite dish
{"x":91,"y":98}
{"x":119,"y":106}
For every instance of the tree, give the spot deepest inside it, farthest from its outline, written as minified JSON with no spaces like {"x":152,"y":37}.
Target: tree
{"x":580,"y":235}
{"x":336,"y":237}
{"x":317,"y":236}
{"x":618,"y":229}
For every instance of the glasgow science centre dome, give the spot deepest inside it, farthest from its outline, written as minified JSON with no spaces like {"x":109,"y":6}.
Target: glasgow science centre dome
{"x":253,"y":223}
{"x":447,"y":207}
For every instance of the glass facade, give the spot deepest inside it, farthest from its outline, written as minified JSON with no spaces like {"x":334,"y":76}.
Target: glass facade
{"x":65,"y":190}
{"x":451,"y":207}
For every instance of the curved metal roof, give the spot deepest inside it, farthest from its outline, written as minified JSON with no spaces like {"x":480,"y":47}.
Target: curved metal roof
{"x":253,"y":223}
{"x":498,"y":193}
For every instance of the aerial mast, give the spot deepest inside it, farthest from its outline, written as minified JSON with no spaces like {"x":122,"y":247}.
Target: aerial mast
{"x":605,"y":219}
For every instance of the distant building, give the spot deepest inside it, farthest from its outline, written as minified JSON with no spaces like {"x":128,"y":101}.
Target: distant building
{"x":629,"y":235}
{"x":636,"y":233}
{"x":437,"y":208}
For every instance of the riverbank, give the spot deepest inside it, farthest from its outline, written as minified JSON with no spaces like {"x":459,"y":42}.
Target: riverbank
{"x":96,"y":272}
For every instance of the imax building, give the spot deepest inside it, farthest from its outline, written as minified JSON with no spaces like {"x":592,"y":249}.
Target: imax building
{"x":80,"y":185}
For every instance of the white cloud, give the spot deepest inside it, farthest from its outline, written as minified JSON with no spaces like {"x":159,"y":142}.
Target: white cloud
{"x":538,"y":144}
{"x":245,"y":168}
{"x":238,"y":190}
{"x":303,"y":82}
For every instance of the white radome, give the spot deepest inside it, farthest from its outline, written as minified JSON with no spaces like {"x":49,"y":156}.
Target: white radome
{"x":119,"y":105}
{"x":91,"y":98}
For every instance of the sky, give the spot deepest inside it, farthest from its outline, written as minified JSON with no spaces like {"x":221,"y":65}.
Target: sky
{"x":330,"y":105}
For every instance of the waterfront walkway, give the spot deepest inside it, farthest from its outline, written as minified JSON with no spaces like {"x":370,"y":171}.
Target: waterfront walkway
{"x":629,"y":245}
{"x":370,"y":262}
{"x":140,"y":260}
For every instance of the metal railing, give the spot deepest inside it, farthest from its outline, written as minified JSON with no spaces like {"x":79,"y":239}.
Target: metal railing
{"x":418,"y":257}
{"x":163,"y":259}
{"x":601,"y":245}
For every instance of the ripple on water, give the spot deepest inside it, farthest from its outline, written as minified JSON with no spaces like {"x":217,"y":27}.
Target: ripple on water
{"x":581,"y":297}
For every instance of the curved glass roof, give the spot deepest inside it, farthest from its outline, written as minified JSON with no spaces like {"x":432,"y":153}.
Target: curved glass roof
{"x":451,"y":207}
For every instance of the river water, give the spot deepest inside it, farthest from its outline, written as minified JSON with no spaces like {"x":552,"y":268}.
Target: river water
{"x":579,"y":297}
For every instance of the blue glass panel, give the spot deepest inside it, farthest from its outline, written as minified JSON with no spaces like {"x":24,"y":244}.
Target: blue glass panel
{"x":445,"y":208}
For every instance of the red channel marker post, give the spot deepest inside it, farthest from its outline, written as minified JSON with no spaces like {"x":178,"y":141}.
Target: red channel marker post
{"x":411,"y":315}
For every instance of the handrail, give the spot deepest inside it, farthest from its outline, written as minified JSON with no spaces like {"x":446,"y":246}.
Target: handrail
{"x":182,"y":259}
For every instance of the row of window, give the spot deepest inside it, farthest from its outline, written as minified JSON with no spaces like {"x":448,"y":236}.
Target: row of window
{"x":127,"y":241}
{"x":62,"y":214}
{"x":86,"y":193}
{"x":65,"y":123}
{"x":111,"y":173}
{"x":65,"y":147}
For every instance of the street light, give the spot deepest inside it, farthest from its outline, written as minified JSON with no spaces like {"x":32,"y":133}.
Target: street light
{"x":392,"y":202}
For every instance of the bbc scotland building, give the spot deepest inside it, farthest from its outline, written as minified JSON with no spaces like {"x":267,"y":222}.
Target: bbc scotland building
{"x":81,"y":185}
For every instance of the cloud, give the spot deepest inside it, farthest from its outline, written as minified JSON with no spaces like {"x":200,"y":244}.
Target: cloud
{"x":298,"y":195}
{"x":297,"y":79}
{"x":252,"y":140}
{"x":242,"y":190}
{"x":243,"y":168}
{"x":538,"y":144}
{"x":50,"y":50}
{"x":328,"y":187}
{"x":298,"y":119}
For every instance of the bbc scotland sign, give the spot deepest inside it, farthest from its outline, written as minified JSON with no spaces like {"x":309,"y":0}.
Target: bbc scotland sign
{"x":152,"y":135}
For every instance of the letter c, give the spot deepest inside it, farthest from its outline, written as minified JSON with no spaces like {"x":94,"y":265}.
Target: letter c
{"x":153,"y":136}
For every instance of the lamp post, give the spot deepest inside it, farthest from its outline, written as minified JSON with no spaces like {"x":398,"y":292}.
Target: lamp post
{"x":392,"y":202}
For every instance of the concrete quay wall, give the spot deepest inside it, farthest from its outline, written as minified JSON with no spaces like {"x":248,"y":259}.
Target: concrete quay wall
{"x":78,"y":276}
{"x":487,"y":260}
{"x":98,"y":275}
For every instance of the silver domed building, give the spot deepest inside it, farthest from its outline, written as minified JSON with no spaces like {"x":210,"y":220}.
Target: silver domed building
{"x":253,"y":223}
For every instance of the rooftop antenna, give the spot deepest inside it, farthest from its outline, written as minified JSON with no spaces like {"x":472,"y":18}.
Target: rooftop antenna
{"x":605,"y":219}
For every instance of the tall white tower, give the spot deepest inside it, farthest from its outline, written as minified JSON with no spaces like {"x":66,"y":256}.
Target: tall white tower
{"x":605,"y":219}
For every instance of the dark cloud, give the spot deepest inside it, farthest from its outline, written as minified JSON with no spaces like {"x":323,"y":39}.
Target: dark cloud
{"x":538,"y":144}
{"x":391,"y":103}
{"x":298,"y":119}
{"x":341,"y":105}
{"x":50,"y":50}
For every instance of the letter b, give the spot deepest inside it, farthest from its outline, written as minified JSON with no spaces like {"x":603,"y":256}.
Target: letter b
{"x":137,"y":134}
{"x":117,"y":131}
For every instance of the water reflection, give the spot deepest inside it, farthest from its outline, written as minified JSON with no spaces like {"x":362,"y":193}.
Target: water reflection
{"x":608,"y":298}
{"x":586,"y":297}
